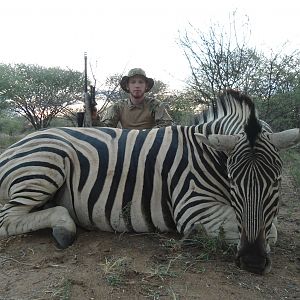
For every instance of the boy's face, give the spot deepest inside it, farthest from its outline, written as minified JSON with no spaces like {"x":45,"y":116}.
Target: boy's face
{"x":137,"y":86}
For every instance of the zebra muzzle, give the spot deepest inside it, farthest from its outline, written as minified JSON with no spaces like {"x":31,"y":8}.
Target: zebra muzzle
{"x":253,"y":256}
{"x":254,"y":264}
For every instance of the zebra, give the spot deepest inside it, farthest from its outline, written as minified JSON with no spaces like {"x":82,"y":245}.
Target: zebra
{"x":222,"y":175}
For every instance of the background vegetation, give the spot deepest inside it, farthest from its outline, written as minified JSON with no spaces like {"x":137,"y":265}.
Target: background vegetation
{"x":37,"y":93}
{"x":34,"y":97}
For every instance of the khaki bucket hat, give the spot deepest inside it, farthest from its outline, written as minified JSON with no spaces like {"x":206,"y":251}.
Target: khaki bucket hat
{"x":136,"y":72}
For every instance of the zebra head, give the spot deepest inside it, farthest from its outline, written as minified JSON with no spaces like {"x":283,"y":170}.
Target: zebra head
{"x":254,"y":173}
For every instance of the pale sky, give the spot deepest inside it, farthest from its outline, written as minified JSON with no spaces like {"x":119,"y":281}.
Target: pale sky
{"x":121,"y":34}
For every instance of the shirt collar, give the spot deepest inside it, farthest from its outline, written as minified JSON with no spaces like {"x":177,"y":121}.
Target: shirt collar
{"x":133,"y":106}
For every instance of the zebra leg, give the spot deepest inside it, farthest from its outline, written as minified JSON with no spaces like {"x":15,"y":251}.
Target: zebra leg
{"x":17,"y":219}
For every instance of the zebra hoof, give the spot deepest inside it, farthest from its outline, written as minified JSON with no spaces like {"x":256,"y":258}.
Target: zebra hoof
{"x":63,"y":237}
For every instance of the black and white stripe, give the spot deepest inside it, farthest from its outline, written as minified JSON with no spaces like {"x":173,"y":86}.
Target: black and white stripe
{"x":142,"y":181}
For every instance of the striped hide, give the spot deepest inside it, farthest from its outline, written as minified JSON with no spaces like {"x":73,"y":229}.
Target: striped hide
{"x":223,"y":174}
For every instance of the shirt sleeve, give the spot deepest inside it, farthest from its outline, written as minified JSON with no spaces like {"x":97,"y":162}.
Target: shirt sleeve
{"x":162,"y":117}
{"x":111,"y":117}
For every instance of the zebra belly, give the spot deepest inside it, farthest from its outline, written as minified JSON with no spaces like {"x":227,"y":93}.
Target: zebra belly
{"x":115,"y":216}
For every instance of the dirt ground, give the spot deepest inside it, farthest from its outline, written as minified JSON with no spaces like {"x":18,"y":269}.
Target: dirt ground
{"x":124,"y":266}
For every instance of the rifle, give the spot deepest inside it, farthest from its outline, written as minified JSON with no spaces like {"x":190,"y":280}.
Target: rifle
{"x":87,"y":98}
{"x":85,"y":118}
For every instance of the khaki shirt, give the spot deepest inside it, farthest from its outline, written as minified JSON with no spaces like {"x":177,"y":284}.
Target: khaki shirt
{"x":151,"y":113}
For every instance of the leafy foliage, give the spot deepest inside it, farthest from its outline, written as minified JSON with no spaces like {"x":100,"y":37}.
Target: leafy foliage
{"x":291,"y":158}
{"x":12,"y":125}
{"x":38,"y":93}
{"x":183,"y":106}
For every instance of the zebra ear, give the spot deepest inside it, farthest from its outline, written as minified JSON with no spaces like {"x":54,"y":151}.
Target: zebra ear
{"x":285,"y":139}
{"x":219,"y":142}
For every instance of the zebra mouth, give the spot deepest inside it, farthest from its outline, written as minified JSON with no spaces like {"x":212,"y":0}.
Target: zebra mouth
{"x":254,"y":264}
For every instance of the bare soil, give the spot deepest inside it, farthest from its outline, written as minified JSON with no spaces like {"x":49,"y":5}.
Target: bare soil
{"x":103,"y":265}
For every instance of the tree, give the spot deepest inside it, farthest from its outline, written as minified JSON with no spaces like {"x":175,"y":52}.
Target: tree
{"x":183,"y":106}
{"x":276,"y":85}
{"x":218,"y":60}
{"x":111,"y":92}
{"x":39,"y":93}
{"x":12,"y":125}
{"x":221,"y":59}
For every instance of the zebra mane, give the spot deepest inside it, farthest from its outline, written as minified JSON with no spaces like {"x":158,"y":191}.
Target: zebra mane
{"x":233,"y":95}
{"x":233,"y":112}
{"x":253,"y":127}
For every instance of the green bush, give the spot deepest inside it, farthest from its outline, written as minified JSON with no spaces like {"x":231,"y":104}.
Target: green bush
{"x":291,"y":159}
{"x":7,"y":140}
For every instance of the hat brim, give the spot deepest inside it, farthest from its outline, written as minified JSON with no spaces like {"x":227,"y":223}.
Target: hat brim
{"x":124,"y":83}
